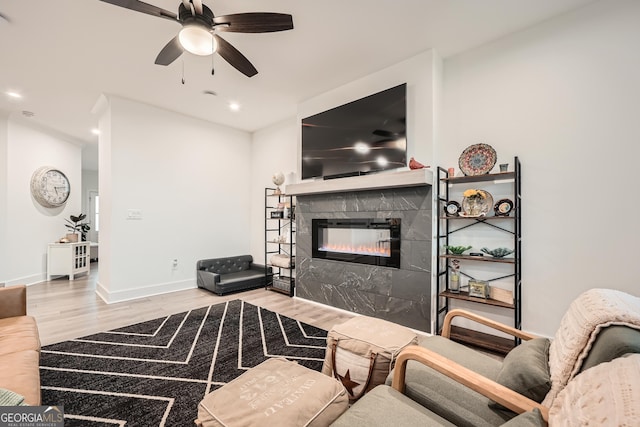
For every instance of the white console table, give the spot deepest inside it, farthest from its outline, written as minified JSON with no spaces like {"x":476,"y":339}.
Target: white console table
{"x":67,"y":259}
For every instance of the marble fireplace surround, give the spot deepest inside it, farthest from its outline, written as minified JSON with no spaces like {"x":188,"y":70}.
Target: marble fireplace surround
{"x":401,"y":295}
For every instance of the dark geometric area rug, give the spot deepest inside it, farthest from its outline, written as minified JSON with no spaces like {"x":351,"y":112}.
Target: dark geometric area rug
{"x":155,"y":373}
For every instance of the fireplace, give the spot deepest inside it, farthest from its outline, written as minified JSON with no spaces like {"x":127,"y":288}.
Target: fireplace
{"x":364,"y":241}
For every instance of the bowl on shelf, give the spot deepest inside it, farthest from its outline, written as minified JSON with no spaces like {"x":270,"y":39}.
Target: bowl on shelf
{"x":457,"y":250}
{"x":497,"y":252}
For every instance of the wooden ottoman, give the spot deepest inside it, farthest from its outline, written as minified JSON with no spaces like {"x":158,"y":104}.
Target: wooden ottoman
{"x":277,"y":392}
{"x":361,"y":352}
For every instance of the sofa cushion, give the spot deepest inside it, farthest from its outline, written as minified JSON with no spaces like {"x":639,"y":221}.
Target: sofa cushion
{"x":525,"y":369}
{"x":19,"y":372}
{"x":611,"y":343}
{"x":229,"y":265}
{"x":527,"y":419}
{"x":448,"y":398}
{"x":240,"y":276}
{"x":18,"y":334}
{"x":385,"y":406}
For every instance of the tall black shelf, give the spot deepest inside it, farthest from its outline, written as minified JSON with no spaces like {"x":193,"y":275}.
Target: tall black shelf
{"x":279,"y":210}
{"x":511,"y":224}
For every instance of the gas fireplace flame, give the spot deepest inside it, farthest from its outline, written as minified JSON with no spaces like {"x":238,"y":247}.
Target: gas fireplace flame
{"x":373,"y":250}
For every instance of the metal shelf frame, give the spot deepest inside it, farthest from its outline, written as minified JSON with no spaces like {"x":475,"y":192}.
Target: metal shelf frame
{"x":444,"y":229}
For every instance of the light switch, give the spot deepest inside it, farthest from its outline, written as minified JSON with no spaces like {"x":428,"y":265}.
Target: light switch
{"x":134,"y":214}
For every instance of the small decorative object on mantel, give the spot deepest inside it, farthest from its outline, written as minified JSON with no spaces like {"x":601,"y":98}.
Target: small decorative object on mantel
{"x":457,"y":250}
{"x":478,"y":289}
{"x":278,"y":180}
{"x":503,"y":207}
{"x":476,"y":203}
{"x":497,"y":252}
{"x":477,"y":159}
{"x":414,"y":164}
{"x":452,"y":208}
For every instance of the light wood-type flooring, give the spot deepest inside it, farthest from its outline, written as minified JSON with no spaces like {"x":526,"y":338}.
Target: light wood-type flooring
{"x":67,"y":309}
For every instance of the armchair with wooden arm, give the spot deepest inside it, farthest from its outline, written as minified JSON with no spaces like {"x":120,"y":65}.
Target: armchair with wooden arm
{"x":459,"y":383}
{"x":432,"y":389}
{"x":447,"y":383}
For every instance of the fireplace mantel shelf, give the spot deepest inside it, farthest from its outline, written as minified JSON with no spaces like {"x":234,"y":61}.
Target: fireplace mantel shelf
{"x":410,"y":178}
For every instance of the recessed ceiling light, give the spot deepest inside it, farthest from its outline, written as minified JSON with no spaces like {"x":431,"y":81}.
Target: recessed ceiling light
{"x":95,"y":131}
{"x":234,"y":106}
{"x":13,"y":94}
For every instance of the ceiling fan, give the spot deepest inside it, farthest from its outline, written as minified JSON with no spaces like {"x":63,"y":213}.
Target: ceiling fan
{"x":199,"y":28}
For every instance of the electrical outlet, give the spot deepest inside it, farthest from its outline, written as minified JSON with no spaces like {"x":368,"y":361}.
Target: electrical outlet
{"x":174,"y":264}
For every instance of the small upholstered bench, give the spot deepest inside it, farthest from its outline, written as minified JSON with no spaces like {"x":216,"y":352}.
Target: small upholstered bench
{"x":231,"y":274}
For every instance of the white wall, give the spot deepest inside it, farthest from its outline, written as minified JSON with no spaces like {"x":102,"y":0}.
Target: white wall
{"x":190,"y":179}
{"x":4,"y":136}
{"x":563,"y":96}
{"x":29,"y":226}
{"x":273,"y":149}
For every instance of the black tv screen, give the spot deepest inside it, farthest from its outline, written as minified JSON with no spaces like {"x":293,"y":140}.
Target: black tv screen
{"x":360,"y":137}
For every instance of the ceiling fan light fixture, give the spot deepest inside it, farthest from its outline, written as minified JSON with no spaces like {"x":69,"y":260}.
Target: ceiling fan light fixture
{"x":197,"y":39}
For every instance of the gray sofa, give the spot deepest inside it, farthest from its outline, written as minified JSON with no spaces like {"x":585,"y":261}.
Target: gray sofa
{"x":230,"y":274}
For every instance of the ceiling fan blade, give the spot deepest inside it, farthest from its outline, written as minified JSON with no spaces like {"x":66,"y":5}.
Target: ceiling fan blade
{"x":170,"y":52}
{"x":198,"y":6}
{"x":255,"y":22}
{"x":139,"y":6}
{"x":234,"y":57}
{"x":387,"y":133}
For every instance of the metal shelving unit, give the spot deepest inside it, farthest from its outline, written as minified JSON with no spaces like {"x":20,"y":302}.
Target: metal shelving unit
{"x":511,"y":224}
{"x":276,"y":226}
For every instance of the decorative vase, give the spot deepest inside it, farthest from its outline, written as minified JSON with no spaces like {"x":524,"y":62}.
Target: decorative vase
{"x":454,"y":282}
{"x":475,"y":207}
{"x":72,"y":238}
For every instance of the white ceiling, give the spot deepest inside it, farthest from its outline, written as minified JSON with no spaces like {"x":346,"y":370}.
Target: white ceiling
{"x":62,"y":54}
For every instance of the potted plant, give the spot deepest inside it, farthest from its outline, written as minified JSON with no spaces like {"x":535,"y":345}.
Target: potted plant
{"x":75,"y":225}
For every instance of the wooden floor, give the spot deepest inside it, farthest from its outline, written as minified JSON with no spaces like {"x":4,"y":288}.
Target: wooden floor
{"x":70,"y":309}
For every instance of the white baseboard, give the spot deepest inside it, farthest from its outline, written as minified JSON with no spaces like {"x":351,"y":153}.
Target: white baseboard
{"x":27,"y":280}
{"x":142,"y":292}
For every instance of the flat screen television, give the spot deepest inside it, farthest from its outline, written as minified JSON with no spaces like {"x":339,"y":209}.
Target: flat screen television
{"x":363,"y":136}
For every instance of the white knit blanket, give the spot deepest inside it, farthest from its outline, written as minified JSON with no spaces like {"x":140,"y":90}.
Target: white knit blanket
{"x":607,"y":395}
{"x":587,"y":315}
